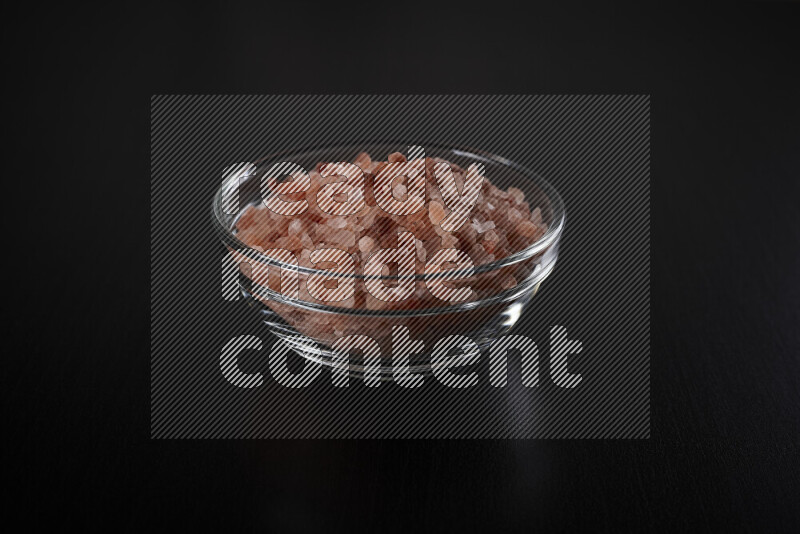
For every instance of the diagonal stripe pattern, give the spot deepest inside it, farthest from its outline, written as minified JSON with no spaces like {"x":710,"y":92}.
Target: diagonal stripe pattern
{"x":595,"y":150}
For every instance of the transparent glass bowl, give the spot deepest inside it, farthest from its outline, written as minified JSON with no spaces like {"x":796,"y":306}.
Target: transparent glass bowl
{"x":310,"y":327}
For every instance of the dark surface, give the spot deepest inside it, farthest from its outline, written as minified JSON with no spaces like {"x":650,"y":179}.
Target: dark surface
{"x":725,"y":264}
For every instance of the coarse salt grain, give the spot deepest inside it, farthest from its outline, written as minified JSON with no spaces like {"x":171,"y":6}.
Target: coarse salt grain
{"x":436,"y":212}
{"x":366,"y":244}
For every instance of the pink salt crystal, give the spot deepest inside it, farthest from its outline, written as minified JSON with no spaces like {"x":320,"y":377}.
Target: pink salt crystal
{"x":295,"y":227}
{"x":337,"y":222}
{"x":421,"y":252}
{"x":484,"y":227}
{"x":436,"y":212}
{"x":449,"y":241}
{"x":344,"y":237}
{"x":458,"y":178}
{"x":416,"y":216}
{"x":369,"y":219}
{"x":467,"y":234}
{"x":289,"y":243}
{"x":399,"y":192}
{"x":528,"y":229}
{"x":490,"y":240}
{"x":374,"y":304}
{"x":517,"y":194}
{"x":247,"y":219}
{"x":536,"y":216}
{"x":507,"y":281}
{"x":396,"y":157}
{"x":420,"y":292}
{"x":305,"y":258}
{"x":366,"y":244}
{"x":514,"y":216}
{"x":478,"y":254}
{"x":306,"y":241}
{"x":363,"y":161}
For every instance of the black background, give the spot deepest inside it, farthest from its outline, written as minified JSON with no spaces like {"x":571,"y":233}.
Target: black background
{"x":725,"y":263}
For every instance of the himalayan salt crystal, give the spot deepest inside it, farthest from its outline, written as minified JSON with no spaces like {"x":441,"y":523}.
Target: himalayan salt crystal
{"x":499,"y":194}
{"x":449,"y":241}
{"x":363,"y":161}
{"x":420,"y":292}
{"x":517,"y":194}
{"x":421,"y":252}
{"x":426,"y":231}
{"x":337,"y":222}
{"x":507,"y":281}
{"x":366,"y":244}
{"x":528,"y":229}
{"x":247,"y":219}
{"x":396,"y":157}
{"x":369,"y":219}
{"x":536,"y":216}
{"x":306,"y":241}
{"x":467,"y":234}
{"x":433,"y":193}
{"x":417,"y":215}
{"x":483,"y":227}
{"x":436,"y":212}
{"x":375,"y":304}
{"x":399,"y":191}
{"x":458,"y":178}
{"x":478,"y":254}
{"x":289,"y":243}
{"x":342,"y":237}
{"x":490,"y":240}
{"x":514,"y":216}
{"x":295,"y":227}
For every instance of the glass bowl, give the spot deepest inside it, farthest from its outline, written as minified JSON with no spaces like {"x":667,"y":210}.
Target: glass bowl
{"x":311,"y":328}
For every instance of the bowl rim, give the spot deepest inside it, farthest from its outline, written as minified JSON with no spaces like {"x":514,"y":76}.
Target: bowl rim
{"x":550,"y":237}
